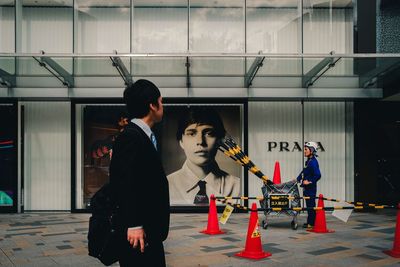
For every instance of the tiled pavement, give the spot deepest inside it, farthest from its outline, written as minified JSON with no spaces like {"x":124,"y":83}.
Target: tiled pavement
{"x":38,"y":239}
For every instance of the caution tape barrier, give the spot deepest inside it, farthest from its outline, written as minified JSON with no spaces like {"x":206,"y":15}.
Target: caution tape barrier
{"x":232,"y":150}
{"x":238,"y":206}
{"x":292,"y":198}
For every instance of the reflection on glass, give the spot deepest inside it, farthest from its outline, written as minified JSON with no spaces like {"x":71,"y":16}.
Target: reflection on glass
{"x":217,"y":66}
{"x":278,"y":66}
{"x":328,"y":26}
{"x":216,"y":26}
{"x":7,"y":64}
{"x":103,"y":26}
{"x":159,"y":66}
{"x":160,"y":27}
{"x":97,"y":66}
{"x":7,"y":26}
{"x":273,"y":26}
{"x":47,"y":26}
{"x":31,"y":66}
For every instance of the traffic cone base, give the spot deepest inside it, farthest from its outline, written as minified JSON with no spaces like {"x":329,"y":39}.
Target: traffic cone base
{"x":395,"y":251}
{"x":325,"y":231}
{"x":392,"y":253}
{"x":213,"y":232}
{"x":212,"y":224}
{"x":253,"y":255}
{"x":253,"y":249}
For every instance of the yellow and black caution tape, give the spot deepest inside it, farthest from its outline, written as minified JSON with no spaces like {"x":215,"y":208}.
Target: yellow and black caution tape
{"x":316,"y":197}
{"x":232,"y":150}
{"x":356,"y":203}
{"x":238,"y":206}
{"x":241,"y":198}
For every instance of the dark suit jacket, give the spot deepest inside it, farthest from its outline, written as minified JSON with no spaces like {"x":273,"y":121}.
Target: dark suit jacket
{"x":139,"y":184}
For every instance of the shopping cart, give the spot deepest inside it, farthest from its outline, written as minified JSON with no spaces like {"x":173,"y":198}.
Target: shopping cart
{"x":284,"y":195}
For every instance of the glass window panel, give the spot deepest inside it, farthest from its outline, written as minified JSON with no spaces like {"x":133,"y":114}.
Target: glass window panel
{"x":216,"y":26}
{"x":30,"y":66}
{"x":7,"y":26}
{"x":217,"y":66}
{"x":7,"y":64}
{"x":158,"y":66}
{"x":273,"y":26}
{"x":47,"y":26}
{"x":343,"y":67}
{"x":160,"y":27}
{"x":278,"y":66}
{"x":328,"y":26}
{"x":99,"y":66}
{"x":103,"y":26}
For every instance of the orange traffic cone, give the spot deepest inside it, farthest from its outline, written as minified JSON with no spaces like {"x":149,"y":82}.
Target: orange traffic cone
{"x":212,"y":225}
{"x":277,"y":173}
{"x":253,"y":249}
{"x":320,"y":219}
{"x":395,"y":252}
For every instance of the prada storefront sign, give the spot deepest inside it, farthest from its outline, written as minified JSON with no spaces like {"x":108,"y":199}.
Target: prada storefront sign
{"x":284,"y":146}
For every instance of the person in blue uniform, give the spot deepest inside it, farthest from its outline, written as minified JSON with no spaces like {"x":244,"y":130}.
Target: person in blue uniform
{"x":308,"y":179}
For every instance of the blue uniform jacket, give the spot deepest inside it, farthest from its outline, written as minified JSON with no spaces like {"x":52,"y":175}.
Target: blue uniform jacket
{"x":311,"y":173}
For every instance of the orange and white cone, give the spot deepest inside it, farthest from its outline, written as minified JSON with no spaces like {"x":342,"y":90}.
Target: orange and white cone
{"x":253,"y":249}
{"x":395,"y":252}
{"x":277,"y":173}
{"x":212,"y":224}
{"x":320,"y":219}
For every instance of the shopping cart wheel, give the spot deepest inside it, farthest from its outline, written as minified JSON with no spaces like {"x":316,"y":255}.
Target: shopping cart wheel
{"x":264,"y":224}
{"x":294,"y":225}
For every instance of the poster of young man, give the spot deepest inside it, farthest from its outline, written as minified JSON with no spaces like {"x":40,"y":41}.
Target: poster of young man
{"x":194,"y":166}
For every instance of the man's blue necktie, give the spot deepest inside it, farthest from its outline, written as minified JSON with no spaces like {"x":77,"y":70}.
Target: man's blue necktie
{"x":153,"y":140}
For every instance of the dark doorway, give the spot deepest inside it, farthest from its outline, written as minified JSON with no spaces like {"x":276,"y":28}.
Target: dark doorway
{"x":377,"y":151}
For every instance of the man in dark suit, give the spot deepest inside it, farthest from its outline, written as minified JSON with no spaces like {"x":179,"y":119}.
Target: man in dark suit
{"x":138,"y":180}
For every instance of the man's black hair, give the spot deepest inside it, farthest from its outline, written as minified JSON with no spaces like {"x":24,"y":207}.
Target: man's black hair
{"x":200,"y":115}
{"x":138,"y":97}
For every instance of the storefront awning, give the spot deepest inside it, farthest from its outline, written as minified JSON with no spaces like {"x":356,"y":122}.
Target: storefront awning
{"x":253,"y":75}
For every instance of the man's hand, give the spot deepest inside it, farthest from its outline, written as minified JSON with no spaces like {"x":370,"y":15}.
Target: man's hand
{"x":137,"y":237}
{"x":306,"y":182}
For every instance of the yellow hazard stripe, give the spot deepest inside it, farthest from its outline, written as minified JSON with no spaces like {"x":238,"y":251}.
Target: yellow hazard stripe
{"x":253,"y":169}
{"x":276,"y":209}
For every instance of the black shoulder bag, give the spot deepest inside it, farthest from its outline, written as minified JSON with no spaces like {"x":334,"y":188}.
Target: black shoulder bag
{"x":103,"y":241}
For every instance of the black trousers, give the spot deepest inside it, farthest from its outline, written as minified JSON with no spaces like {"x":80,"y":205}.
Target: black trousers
{"x":153,"y":255}
{"x":310,"y":203}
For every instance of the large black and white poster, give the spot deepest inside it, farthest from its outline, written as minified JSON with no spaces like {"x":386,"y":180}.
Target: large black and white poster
{"x":195,"y":168}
